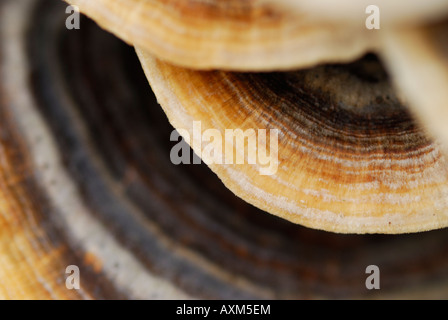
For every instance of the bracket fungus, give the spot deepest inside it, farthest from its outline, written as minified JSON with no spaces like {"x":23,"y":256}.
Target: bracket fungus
{"x":351,"y":159}
{"x":86,"y":178}
{"x":235,"y":34}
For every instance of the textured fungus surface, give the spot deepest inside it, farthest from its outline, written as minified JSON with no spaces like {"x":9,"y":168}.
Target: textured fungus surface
{"x":85,"y":179}
{"x":351,"y":158}
{"x":237,"y":35}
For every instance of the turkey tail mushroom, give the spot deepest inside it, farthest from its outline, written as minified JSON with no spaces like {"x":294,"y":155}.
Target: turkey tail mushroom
{"x":231,"y":35}
{"x":86,"y":178}
{"x":350,"y":158}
